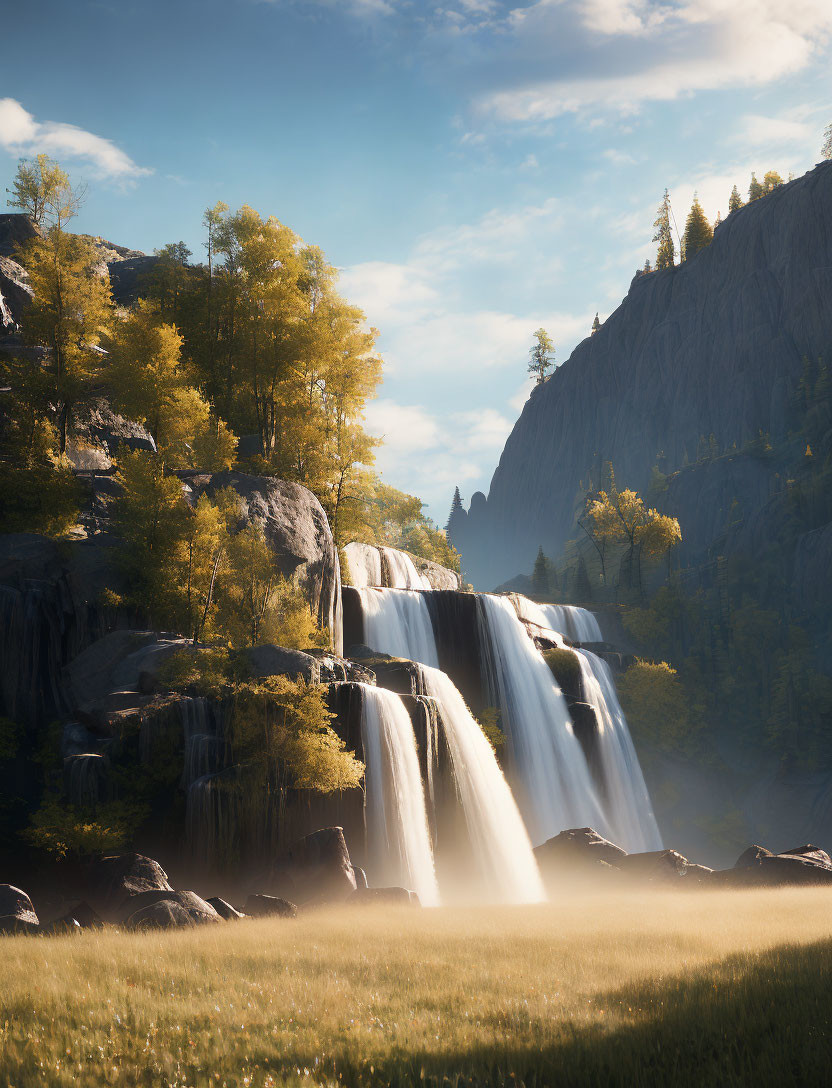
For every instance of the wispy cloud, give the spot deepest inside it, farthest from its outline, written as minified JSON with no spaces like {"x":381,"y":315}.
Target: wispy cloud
{"x":21,"y":134}
{"x":561,"y":56}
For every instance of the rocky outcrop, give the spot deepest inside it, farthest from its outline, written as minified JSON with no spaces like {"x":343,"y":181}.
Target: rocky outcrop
{"x":299,"y":535}
{"x":111,"y":881}
{"x":17,"y":915}
{"x":711,"y":347}
{"x":758,"y":867}
{"x":15,"y":294}
{"x":317,"y":868}
{"x":163,"y":909}
{"x":126,"y":277}
{"x":269,"y":906}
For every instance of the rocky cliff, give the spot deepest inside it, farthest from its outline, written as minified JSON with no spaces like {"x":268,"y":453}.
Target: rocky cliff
{"x":713,"y":347}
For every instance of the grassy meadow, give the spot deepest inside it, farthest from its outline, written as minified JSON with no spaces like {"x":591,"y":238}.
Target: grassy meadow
{"x":676,"y":988}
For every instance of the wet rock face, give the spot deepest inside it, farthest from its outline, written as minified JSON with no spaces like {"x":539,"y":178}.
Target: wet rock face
{"x":299,"y":535}
{"x":709,"y":347}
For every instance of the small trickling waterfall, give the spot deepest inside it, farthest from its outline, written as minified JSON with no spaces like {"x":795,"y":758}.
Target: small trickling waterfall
{"x":550,"y":771}
{"x":400,"y":572}
{"x":578,"y":624}
{"x":498,"y":835}
{"x":629,"y":811}
{"x":398,"y":842}
{"x":364,"y":561}
{"x":87,"y":779}
{"x":397,"y":622}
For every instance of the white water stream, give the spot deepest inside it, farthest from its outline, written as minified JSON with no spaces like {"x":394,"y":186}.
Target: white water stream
{"x":499,"y":839}
{"x":398,"y":840}
{"x":397,"y":622}
{"x":629,"y":811}
{"x":551,"y":773}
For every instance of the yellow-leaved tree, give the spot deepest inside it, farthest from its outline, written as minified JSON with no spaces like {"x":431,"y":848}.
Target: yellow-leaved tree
{"x":620,"y":517}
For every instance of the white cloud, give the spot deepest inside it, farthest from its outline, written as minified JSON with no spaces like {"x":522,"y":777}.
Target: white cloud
{"x":21,"y":134}
{"x":777,"y":133}
{"x":618,"y":158}
{"x":618,"y":54}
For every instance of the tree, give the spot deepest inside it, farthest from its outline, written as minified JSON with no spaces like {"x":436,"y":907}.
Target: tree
{"x":771,"y":180}
{"x":666,"y":256}
{"x":655,"y":703}
{"x":456,"y":506}
{"x":755,"y":189}
{"x":68,"y":316}
{"x":647,"y":267}
{"x":42,"y":191}
{"x":698,"y":231}
{"x":621,"y":517}
{"x":734,"y":200}
{"x":596,"y":325}
{"x":826,"y":150}
{"x":541,"y":356}
{"x":540,"y":574}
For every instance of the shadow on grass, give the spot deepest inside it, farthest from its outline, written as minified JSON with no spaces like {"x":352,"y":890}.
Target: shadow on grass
{"x":762,"y":1019}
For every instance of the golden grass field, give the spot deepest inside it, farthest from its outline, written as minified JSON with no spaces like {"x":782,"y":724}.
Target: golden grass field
{"x":674,"y":988}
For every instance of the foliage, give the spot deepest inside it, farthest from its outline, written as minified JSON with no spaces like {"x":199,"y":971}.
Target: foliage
{"x":42,"y":191}
{"x":735,"y":201}
{"x":621,"y":517}
{"x":540,"y":574}
{"x":564,"y":666}
{"x":63,"y":831}
{"x":826,"y":150}
{"x":68,"y":317}
{"x":698,"y":231}
{"x":541,"y":356}
{"x":656,"y":705}
{"x":10,"y":735}
{"x":282,"y":728}
{"x":666,"y":256}
{"x":393,"y":518}
{"x":490,"y":720}
{"x":38,"y":493}
{"x":208,"y":671}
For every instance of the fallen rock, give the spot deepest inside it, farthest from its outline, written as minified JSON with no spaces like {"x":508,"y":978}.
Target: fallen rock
{"x":662,"y":865}
{"x":224,"y":909}
{"x":166,"y":908}
{"x":758,"y":867}
{"x":316,"y":868}
{"x":400,"y":896}
{"x":112,"y":880}
{"x":269,"y":906}
{"x":17,"y":915}
{"x":581,"y":846}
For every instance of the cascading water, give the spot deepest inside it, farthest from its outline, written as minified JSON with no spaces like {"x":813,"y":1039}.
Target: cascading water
{"x":398,"y":841}
{"x":400,"y":572}
{"x":397,"y":622}
{"x":577,"y":624}
{"x":556,"y":790}
{"x":364,"y":561}
{"x":498,"y":835}
{"x":627,"y":802}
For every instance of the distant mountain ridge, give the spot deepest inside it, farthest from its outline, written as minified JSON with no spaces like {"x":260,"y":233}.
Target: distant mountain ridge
{"x":714,"y":346}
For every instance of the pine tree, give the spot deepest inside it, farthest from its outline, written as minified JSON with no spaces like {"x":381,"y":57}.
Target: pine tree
{"x":456,"y":506}
{"x":596,"y":325}
{"x":755,"y":189}
{"x":540,"y":574}
{"x":666,"y":256}
{"x":718,"y":220}
{"x":698,"y":231}
{"x":647,"y":267}
{"x":541,"y":355}
{"x":734,"y":200}
{"x":826,"y":150}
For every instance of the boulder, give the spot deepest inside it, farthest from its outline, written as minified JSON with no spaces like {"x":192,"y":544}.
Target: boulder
{"x":224,"y":909}
{"x":17,"y":915}
{"x":269,"y":906}
{"x":120,"y":662}
{"x":394,"y":896}
{"x":758,"y":867}
{"x":580,"y":847}
{"x":317,"y":868}
{"x":275,"y":661}
{"x":663,"y":865}
{"x":165,"y":909}
{"x":16,"y":229}
{"x":61,"y":927}
{"x":112,"y":880}
{"x":83,"y":914}
{"x":298,"y":533}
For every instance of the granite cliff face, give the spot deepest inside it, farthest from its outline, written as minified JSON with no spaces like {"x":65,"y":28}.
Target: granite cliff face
{"x":711,"y":347}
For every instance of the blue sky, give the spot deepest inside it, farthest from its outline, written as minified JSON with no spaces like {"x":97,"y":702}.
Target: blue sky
{"x":475,"y":168}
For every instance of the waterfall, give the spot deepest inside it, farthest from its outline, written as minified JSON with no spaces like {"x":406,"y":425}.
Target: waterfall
{"x":204,"y":755}
{"x":577,"y":624}
{"x":400,"y":572}
{"x":397,"y":622}
{"x":498,"y":835}
{"x":364,"y":561}
{"x":627,"y":802}
{"x":556,"y":790}
{"x":398,"y":842}
{"x":87,"y":779}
